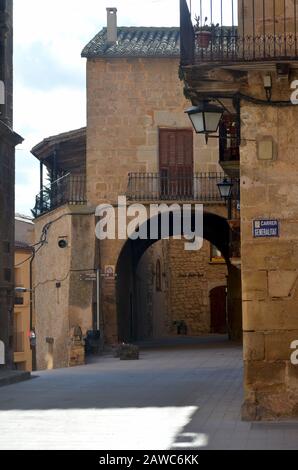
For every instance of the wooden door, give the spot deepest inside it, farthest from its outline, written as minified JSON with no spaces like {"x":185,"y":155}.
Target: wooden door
{"x":176,"y":163}
{"x":218,"y":310}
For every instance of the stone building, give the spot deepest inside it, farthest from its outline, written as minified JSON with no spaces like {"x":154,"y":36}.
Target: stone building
{"x":64,"y":233}
{"x":248,"y":65}
{"x":138,"y":143}
{"x":8,"y":141}
{"x":24,"y":321}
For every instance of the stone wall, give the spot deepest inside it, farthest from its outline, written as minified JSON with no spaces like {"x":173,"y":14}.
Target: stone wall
{"x":284,"y":11}
{"x":270,"y":266}
{"x":7,"y":178}
{"x":192,"y":277}
{"x":128,"y":101}
{"x":62,"y":301}
{"x":154,"y":319}
{"x":7,"y":168}
{"x":187,"y":279}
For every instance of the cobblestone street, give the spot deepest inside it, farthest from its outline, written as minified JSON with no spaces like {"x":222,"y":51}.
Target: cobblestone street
{"x":178,"y":396}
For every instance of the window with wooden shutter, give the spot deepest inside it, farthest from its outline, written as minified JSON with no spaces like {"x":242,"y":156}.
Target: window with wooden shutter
{"x":176,"y":163}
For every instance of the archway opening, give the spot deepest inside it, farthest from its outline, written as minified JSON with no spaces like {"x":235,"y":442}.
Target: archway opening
{"x":164,"y":291}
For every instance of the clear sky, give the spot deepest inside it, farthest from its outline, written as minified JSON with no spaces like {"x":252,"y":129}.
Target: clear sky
{"x":49,"y":74}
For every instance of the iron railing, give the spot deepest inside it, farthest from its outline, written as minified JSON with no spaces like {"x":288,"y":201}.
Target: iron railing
{"x":70,"y":189}
{"x":229,"y":47}
{"x":238,"y":30}
{"x":156,"y":187}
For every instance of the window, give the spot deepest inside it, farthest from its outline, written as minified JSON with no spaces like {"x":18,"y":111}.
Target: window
{"x":19,"y":299}
{"x":176,"y":163}
{"x":158,"y":276}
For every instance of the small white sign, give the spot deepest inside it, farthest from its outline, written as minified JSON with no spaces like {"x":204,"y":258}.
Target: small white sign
{"x":2,"y":353}
{"x":88,"y":277}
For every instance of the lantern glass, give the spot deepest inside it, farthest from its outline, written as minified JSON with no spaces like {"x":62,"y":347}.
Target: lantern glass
{"x":225,"y":189}
{"x":212,"y":121}
{"x":198,"y":122}
{"x":205,"y":118}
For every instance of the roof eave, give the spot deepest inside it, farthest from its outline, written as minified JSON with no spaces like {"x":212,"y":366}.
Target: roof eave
{"x":131,"y":56}
{"x":42,"y":150}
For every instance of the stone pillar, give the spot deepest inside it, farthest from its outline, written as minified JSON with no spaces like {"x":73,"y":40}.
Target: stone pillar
{"x":109,"y":255}
{"x":269,"y":265}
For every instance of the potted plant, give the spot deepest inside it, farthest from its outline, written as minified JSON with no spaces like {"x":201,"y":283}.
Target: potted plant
{"x":204,"y":32}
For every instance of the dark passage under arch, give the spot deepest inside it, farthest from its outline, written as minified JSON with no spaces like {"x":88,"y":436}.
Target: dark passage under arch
{"x":217,"y":232}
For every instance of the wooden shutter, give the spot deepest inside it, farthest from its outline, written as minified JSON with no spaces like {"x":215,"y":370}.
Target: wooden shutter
{"x":176,"y":162}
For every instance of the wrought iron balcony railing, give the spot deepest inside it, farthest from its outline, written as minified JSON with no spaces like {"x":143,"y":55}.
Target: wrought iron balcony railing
{"x":238,"y":30}
{"x":201,"y":187}
{"x":70,"y":189}
{"x":231,"y":47}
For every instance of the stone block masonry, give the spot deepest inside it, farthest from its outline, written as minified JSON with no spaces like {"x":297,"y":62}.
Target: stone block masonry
{"x":270,"y":266}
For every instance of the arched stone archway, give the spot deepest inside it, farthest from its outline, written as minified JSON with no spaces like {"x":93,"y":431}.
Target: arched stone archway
{"x":217,"y":232}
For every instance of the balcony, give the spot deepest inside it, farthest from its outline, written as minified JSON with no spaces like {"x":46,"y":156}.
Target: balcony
{"x":200,"y":187}
{"x":226,"y":45}
{"x":70,"y":189}
{"x":238,"y":31}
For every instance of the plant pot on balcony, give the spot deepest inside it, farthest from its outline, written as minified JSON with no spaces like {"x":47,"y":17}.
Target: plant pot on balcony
{"x":203,"y":39}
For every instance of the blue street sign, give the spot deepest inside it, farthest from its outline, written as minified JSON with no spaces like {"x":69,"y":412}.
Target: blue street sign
{"x":266,"y":228}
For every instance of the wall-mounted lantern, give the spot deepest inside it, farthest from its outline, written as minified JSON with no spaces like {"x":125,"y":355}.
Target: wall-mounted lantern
{"x":205,"y":117}
{"x":225,"y":188}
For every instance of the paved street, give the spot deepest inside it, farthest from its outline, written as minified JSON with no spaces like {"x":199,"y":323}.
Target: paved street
{"x":184,"y":396}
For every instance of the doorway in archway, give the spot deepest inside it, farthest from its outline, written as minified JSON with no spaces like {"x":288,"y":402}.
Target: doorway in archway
{"x":218,"y":310}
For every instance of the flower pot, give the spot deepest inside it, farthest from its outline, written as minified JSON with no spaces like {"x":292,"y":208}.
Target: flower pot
{"x":203,"y":39}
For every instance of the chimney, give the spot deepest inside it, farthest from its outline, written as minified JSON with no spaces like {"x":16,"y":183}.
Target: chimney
{"x":112,"y":25}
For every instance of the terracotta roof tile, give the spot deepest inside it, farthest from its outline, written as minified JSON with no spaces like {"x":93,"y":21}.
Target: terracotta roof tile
{"x":136,"y":42}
